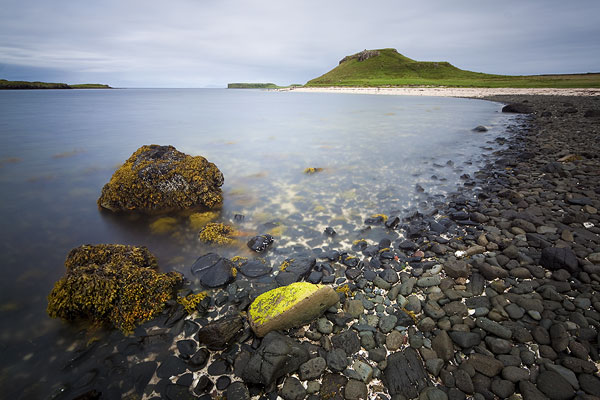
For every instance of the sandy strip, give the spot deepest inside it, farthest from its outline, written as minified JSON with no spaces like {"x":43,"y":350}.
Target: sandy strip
{"x":448,"y":92}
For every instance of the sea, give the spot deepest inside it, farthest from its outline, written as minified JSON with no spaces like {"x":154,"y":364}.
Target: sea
{"x":390,"y":155}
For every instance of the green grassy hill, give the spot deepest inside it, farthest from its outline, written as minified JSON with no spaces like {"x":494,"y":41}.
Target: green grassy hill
{"x":387,"y":67}
{"x":4,"y":84}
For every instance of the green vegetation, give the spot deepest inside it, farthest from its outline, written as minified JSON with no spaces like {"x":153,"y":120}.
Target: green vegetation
{"x":112,"y":284}
{"x":4,"y":84}
{"x":387,"y":67}
{"x":252,"y":86}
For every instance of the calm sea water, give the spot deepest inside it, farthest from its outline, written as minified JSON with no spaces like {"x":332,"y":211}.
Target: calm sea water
{"x":58,"y":148}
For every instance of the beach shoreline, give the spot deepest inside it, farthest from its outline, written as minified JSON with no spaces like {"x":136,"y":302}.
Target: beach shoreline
{"x":447,"y":91}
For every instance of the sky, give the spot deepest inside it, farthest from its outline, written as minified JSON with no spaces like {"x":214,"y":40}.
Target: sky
{"x":208,"y":43}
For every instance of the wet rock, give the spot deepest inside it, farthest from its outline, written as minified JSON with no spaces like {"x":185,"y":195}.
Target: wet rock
{"x":479,"y":128}
{"x":213,"y":270}
{"x":204,"y":385}
{"x":199,"y":359}
{"x":161,"y":179}
{"x":217,"y":334}
{"x":289,"y":306}
{"x":254,"y":268}
{"x":260,"y":243}
{"x":554,"y":258}
{"x":277,"y":356}
{"x":405,"y":375}
{"x":171,"y":366}
{"x":186,"y":348}
{"x":518,"y":108}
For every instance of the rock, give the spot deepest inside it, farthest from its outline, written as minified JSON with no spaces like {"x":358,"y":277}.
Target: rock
{"x":565,"y":373}
{"x":199,"y":359}
{"x":213,"y":270}
{"x":498,"y":346}
{"x":217,"y":334}
{"x":394,"y":341}
{"x":590,"y":384}
{"x":502,"y":388}
{"x":348,"y":341}
{"x":355,"y":390}
{"x":463,"y":381}
{"x":404,"y":374}
{"x":313,"y":368}
{"x":237,"y":391}
{"x":465,"y":339}
{"x":363,"y":371}
{"x":104,"y":278}
{"x":530,"y":392}
{"x":171,"y":366}
{"x":486,"y":365}
{"x":457,"y":269}
{"x":260,"y":243}
{"x":493,"y":327}
{"x":554,"y":258}
{"x":554,"y":386}
{"x":332,"y":386}
{"x":254,"y":268}
{"x":479,"y":128}
{"x":289,"y":306}
{"x":592,"y":114}
{"x":387,"y":323}
{"x":442,"y":344}
{"x":429,"y":281}
{"x":276,"y":356}
{"x":354,"y":308}
{"x":559,"y":337}
{"x":292,"y":389}
{"x":594,"y":258}
{"x":434,"y":365}
{"x":518,"y":108}
{"x":515,"y":374}
{"x":162,"y":179}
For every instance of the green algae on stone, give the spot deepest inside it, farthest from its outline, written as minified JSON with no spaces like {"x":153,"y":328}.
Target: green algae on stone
{"x":159,"y":179}
{"x":112,"y":283}
{"x":289,"y":306}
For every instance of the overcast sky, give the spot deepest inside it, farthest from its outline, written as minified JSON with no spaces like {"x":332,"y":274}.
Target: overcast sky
{"x":208,"y":43}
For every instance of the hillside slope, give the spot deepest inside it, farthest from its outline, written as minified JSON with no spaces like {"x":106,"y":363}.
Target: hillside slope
{"x":387,"y":67}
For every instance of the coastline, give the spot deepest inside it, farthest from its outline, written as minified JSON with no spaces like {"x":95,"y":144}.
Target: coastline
{"x":484,"y":306}
{"x":446,"y":91}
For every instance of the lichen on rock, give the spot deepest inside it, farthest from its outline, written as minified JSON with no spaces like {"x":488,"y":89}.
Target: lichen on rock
{"x":216,"y":233}
{"x":112,"y":283}
{"x":159,"y":179}
{"x":289,"y":306}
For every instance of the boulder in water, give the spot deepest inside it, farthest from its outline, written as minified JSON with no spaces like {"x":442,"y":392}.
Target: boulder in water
{"x":159,"y":179}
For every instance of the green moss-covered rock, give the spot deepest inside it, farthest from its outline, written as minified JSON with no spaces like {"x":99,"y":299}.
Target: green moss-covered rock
{"x":112,"y":283}
{"x":289,"y":306}
{"x":160,"y":179}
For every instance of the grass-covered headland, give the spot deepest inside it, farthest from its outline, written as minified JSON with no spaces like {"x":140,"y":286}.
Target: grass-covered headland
{"x":4,"y":84}
{"x":387,"y":67}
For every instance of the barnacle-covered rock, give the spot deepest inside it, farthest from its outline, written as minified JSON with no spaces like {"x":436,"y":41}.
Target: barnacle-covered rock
{"x":112,"y":283}
{"x":160,"y":179}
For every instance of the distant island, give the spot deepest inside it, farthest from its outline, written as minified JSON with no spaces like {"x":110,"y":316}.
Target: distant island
{"x":387,"y":67}
{"x":252,"y":86}
{"x":4,"y":84}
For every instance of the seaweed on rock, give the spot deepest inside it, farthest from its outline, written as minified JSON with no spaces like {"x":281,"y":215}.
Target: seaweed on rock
{"x":112,"y":283}
{"x":161,"y":179}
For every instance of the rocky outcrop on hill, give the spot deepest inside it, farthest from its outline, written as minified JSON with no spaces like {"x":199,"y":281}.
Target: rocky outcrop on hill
{"x":362,"y":56}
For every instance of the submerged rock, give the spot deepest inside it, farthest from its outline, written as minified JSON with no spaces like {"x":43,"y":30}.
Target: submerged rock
{"x":214,"y":270}
{"x":161,"y":179}
{"x":218,"y":333}
{"x":289,"y":306}
{"x":112,"y":283}
{"x":260,"y":243}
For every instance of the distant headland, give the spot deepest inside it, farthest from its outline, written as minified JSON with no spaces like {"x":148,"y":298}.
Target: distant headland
{"x":12,"y":85}
{"x":388,"y":68}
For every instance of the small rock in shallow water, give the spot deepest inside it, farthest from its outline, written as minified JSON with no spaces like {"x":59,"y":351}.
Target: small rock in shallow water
{"x":260,"y":243}
{"x":218,"y":333}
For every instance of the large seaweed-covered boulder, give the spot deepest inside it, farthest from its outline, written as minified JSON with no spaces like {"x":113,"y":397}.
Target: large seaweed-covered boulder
{"x":289,"y":306}
{"x":112,"y":283}
{"x":160,"y":179}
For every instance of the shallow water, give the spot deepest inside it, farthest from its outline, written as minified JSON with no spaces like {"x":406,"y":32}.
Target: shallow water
{"x":60,"y":147}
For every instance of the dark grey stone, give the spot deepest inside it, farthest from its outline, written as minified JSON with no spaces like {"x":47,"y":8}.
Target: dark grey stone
{"x":313,"y":368}
{"x":465,"y":339}
{"x":337,"y":360}
{"x":554,"y":258}
{"x":554,"y":386}
{"x":443,"y":346}
{"x":404,"y":374}
{"x":292,"y":389}
{"x":348,"y":341}
{"x":217,"y":334}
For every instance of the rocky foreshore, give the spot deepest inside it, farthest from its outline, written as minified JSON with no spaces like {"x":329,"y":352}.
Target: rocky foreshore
{"x":492,"y":294}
